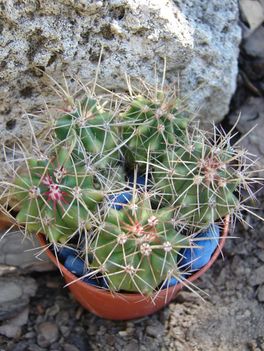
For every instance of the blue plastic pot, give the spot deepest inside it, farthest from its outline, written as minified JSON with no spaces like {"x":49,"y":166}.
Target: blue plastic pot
{"x":64,"y":252}
{"x":117,"y":200}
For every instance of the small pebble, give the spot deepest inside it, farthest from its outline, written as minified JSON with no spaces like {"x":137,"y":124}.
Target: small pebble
{"x":29,"y":335}
{"x":261,"y":293}
{"x":257,"y":276}
{"x":52,"y":311}
{"x":20,"y":346}
{"x":35,"y":347}
{"x":92,"y":329}
{"x":15,"y":292}
{"x":79,"y":313}
{"x":70,"y":347}
{"x":260,"y":244}
{"x":260,"y":255}
{"x":4,"y":270}
{"x":155,"y":330}
{"x":131,"y":346}
{"x":65,"y":331}
{"x":48,"y":333}
{"x":10,"y":331}
{"x":52,"y":284}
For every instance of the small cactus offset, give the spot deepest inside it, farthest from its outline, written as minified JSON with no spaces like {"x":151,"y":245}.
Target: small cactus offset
{"x":94,"y":130}
{"x":155,"y":123}
{"x":199,"y":176}
{"x":55,"y":196}
{"x":137,"y":247}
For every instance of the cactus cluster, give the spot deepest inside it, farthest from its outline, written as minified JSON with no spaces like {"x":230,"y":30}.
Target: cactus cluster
{"x":137,"y":185}
{"x":199,"y":177}
{"x":55,"y":196}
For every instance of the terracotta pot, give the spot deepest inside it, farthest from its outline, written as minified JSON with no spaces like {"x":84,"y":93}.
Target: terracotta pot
{"x":119,"y":306}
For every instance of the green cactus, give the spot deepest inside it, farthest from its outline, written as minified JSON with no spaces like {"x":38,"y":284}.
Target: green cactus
{"x":199,"y":178}
{"x":95,"y":130}
{"x":55,"y":196}
{"x":189,"y":176}
{"x":155,"y":125}
{"x":137,"y":247}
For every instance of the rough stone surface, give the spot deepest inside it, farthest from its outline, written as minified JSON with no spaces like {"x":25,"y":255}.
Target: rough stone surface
{"x":254,"y":44}
{"x":258,"y":276}
{"x":261,"y":293}
{"x":213,"y":67}
{"x":252,"y":13}
{"x":12,"y":328}
{"x":18,"y":253}
{"x":4,"y":269}
{"x":199,"y":38}
{"x":251,"y":117}
{"x":14,"y":295}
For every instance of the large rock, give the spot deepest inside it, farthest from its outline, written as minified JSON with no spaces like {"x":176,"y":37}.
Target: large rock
{"x":199,"y":38}
{"x":21,"y":254}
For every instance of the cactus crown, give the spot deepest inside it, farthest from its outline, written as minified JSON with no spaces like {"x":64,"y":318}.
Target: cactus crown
{"x":199,"y":176}
{"x":135,"y":183}
{"x":156,"y":122}
{"x":94,"y":130}
{"x":137,"y":247}
{"x":55,"y":196}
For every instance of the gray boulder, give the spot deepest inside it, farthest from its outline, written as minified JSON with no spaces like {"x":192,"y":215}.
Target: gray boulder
{"x":200,"y":39}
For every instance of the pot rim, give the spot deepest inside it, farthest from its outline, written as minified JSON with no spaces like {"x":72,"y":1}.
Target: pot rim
{"x":170,"y":290}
